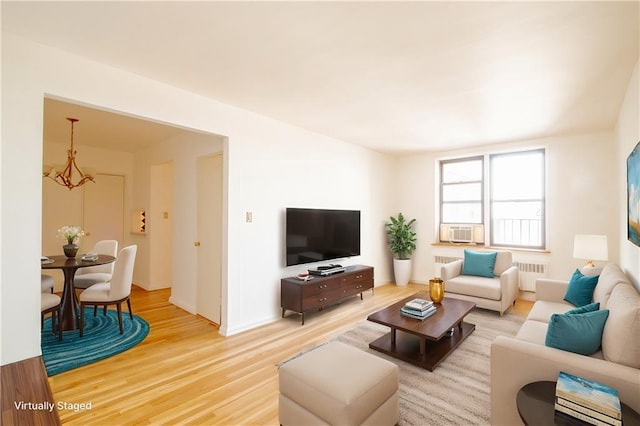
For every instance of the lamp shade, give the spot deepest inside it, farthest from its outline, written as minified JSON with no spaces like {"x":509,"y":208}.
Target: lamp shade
{"x":590,"y":247}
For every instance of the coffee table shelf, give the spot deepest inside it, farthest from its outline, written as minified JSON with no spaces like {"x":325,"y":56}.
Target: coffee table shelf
{"x":423,"y":343}
{"x":407,"y":347}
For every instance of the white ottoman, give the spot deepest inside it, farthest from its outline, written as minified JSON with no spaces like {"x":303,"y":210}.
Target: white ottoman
{"x":336,"y":384}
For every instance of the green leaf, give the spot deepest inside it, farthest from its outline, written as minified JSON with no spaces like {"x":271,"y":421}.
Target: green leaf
{"x":402,"y":238}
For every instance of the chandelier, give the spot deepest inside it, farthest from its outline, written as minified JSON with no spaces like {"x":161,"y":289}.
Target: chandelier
{"x":63,"y":175}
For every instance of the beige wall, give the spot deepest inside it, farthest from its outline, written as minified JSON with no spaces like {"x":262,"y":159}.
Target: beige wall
{"x":160,"y":225}
{"x":580,"y":199}
{"x":627,"y":135}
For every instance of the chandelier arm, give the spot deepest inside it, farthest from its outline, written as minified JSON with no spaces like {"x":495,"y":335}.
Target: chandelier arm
{"x":64,"y":177}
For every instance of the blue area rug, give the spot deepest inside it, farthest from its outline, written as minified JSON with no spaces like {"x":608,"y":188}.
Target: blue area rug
{"x":101,"y":340}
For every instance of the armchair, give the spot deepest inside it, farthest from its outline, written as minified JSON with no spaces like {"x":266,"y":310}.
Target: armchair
{"x":496,"y":293}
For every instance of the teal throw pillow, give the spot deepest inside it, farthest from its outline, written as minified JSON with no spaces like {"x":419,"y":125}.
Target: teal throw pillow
{"x":580,"y":288}
{"x":591,"y":307}
{"x":578,"y":333}
{"x":479,"y":263}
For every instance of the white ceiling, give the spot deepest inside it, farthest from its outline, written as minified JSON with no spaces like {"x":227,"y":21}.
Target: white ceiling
{"x":392,"y":76}
{"x":101,"y":128}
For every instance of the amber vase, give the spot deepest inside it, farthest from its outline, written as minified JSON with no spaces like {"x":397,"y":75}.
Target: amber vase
{"x":436,"y":290}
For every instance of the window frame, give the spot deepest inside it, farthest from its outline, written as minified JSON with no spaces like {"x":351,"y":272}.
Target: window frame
{"x":486,"y":205}
{"x":482,"y":188}
{"x":542,"y":200}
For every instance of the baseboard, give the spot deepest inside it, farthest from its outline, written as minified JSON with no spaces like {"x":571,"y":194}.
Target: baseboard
{"x":529,"y":296}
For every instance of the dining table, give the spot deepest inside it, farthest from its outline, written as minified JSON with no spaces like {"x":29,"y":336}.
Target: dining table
{"x":69,"y":266}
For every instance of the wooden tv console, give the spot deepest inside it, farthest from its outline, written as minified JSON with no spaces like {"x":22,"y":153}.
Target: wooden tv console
{"x":320,"y":292}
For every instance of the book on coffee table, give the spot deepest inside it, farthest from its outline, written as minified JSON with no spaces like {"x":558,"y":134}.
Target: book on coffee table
{"x":419,"y":304}
{"x":413,"y":313}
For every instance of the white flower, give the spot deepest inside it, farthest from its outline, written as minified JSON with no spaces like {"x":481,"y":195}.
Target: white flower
{"x":70,"y":233}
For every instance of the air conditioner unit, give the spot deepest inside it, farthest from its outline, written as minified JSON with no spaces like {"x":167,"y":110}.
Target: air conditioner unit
{"x":462,"y":233}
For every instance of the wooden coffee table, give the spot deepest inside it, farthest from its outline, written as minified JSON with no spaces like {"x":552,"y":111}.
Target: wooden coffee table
{"x":423,"y":343}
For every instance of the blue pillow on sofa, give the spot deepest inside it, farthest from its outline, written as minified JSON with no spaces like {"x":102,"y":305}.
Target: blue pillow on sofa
{"x":591,"y":307}
{"x":578,"y":333}
{"x":479,"y":263}
{"x":580,"y":288}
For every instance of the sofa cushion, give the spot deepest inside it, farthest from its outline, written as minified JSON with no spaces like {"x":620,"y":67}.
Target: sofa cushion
{"x":543,"y":309}
{"x":591,"y":307}
{"x":480,"y":264}
{"x":621,"y":336}
{"x":580,"y":288}
{"x":578,"y":333}
{"x":533,"y":332}
{"x":610,"y":276}
{"x":486,"y":288}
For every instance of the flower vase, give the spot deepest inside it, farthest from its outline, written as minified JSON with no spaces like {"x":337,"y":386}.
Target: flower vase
{"x":436,"y":290}
{"x":70,"y":250}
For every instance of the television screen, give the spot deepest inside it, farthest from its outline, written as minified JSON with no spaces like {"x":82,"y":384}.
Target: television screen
{"x":316,"y":235}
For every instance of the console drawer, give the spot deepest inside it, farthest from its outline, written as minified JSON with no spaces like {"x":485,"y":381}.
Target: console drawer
{"x":320,"y":300}
{"x":312,"y":288}
{"x":359,"y":277}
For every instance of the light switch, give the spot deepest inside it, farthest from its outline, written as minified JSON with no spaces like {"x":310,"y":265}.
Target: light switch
{"x":165,"y":215}
{"x":249,"y":217}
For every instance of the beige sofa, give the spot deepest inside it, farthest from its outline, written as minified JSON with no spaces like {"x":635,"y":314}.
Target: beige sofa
{"x":516,"y":361}
{"x":497,"y":293}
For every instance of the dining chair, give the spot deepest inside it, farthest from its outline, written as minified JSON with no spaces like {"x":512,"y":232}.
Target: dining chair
{"x":114,"y":292}
{"x":46,"y":283}
{"x":86,"y":277}
{"x":50,"y":303}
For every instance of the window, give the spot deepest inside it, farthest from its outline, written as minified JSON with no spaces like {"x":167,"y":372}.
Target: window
{"x":515,"y":184}
{"x":461,"y":190}
{"x":517,"y":199}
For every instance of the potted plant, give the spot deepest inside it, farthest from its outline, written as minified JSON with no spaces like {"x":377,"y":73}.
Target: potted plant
{"x":402,"y":242}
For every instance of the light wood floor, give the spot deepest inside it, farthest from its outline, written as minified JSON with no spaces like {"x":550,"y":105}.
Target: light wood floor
{"x":184,"y":372}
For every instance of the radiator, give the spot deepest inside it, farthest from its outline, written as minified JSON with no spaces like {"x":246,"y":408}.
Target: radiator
{"x":441,"y":260}
{"x":529,"y":272}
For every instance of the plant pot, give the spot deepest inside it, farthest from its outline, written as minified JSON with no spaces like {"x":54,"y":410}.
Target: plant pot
{"x":70,"y":250}
{"x":402,"y":271}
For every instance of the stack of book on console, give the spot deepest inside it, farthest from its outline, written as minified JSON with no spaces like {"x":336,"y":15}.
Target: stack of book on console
{"x":418,"y":309}
{"x":586,"y":400}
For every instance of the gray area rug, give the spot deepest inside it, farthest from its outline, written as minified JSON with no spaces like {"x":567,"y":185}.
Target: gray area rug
{"x":457,"y":392}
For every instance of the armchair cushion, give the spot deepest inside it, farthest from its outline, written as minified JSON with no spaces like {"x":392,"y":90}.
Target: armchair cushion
{"x":578,"y":333}
{"x":480,"y":264}
{"x":486,"y":288}
{"x":580,"y":289}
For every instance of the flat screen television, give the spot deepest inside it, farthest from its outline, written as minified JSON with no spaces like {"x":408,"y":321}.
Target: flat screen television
{"x":316,"y":235}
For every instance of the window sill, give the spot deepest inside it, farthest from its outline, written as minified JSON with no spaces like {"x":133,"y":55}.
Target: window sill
{"x":482,"y":246}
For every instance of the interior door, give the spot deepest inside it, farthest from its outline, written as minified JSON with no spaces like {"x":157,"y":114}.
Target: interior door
{"x":209,"y":244}
{"x":103,"y":211}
